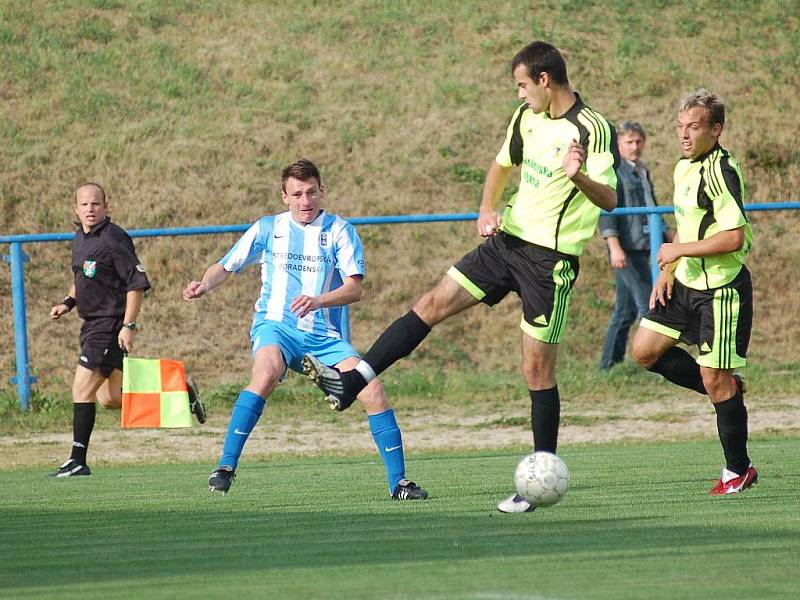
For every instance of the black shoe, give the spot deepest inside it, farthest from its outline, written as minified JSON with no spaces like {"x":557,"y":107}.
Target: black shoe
{"x":221,"y":479}
{"x":329,"y":380}
{"x":195,"y":405}
{"x":71,"y":468}
{"x":408,"y":490}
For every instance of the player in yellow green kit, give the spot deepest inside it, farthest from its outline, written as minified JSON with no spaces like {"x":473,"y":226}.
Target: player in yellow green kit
{"x":568,"y":156}
{"x":703,"y":295}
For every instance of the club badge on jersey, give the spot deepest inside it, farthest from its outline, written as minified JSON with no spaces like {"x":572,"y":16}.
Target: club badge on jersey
{"x":311,"y":259}
{"x":90,"y":268}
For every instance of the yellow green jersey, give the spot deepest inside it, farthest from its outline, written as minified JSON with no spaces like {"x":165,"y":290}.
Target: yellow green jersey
{"x":709,"y":198}
{"x":549,"y":210}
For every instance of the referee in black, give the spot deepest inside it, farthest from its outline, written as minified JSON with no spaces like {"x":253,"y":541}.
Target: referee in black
{"x":108,"y":290}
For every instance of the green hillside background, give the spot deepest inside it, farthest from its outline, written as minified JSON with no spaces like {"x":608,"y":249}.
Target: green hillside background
{"x":186,"y":112}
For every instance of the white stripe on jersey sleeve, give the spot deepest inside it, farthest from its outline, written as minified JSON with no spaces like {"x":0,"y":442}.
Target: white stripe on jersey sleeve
{"x":309,"y":280}
{"x":330,"y":273}
{"x":349,"y":251}
{"x":249,"y":248}
{"x":274,"y":290}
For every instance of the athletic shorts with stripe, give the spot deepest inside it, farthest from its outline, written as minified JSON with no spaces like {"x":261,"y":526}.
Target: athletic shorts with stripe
{"x":541,"y":277}
{"x":718,"y":321}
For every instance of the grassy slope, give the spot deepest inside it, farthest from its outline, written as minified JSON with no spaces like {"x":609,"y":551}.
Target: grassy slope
{"x":186,"y":111}
{"x":324,"y":529}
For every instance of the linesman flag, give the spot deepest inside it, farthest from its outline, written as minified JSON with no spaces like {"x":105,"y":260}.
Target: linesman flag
{"x":154,"y":393}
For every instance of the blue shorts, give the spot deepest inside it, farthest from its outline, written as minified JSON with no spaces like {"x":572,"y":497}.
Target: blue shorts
{"x":295,"y":343}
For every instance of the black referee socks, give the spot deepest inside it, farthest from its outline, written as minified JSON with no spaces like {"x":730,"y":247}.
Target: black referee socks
{"x":83,"y":414}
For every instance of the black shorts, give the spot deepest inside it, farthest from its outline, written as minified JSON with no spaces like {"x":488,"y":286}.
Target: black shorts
{"x":543,"y":279}
{"x":718,"y":321}
{"x":100,"y":350}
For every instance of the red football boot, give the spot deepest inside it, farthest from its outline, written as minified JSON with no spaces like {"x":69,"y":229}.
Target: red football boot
{"x":732,"y":483}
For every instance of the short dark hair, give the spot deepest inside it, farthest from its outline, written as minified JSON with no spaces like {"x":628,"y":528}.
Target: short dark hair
{"x":541,"y":57}
{"x":302,"y":169}
{"x":708,"y":100}
{"x":629,"y":127}
{"x":97,"y":186}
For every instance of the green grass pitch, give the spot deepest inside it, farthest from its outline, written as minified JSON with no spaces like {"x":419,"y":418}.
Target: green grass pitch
{"x":636,"y":523}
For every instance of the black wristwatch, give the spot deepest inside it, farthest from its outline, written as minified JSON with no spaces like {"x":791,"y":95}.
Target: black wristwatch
{"x":131,"y":325}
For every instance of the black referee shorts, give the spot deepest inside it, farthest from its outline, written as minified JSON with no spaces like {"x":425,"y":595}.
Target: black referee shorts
{"x":100,"y":350}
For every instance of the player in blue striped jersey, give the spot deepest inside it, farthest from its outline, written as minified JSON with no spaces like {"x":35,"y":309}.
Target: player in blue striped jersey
{"x":308,"y":259}
{"x":312,"y":267}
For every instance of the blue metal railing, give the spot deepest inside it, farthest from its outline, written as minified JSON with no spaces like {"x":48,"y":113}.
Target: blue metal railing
{"x":17,"y":259}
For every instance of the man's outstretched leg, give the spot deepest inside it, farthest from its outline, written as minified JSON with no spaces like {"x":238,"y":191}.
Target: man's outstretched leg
{"x":396,"y":342}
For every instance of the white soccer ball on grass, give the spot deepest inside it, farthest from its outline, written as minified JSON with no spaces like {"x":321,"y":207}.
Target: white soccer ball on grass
{"x":542,"y":479}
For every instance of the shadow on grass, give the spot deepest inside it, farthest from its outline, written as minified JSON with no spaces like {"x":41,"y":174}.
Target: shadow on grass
{"x":134,"y":545}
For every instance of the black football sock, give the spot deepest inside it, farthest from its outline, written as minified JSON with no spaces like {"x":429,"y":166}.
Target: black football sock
{"x":396,"y":342}
{"x":353,"y":383}
{"x":678,"y":366}
{"x":545,"y":415}
{"x":82,"y":424}
{"x":732,"y":427}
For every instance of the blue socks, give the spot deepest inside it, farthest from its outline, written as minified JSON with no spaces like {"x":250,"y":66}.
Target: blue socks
{"x":246,"y":411}
{"x":389,"y":441}
{"x":385,"y":432}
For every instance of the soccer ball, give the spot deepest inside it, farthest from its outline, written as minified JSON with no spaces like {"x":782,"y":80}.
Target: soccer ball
{"x":542,"y":479}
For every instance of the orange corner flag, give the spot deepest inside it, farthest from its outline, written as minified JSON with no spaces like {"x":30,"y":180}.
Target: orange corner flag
{"x":154,"y":393}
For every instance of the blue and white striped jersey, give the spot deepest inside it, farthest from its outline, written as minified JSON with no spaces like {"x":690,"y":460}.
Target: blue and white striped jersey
{"x":296,"y":259}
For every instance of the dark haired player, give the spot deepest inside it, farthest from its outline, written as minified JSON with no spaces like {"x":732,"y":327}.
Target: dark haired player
{"x":568,"y":155}
{"x":312,"y":267}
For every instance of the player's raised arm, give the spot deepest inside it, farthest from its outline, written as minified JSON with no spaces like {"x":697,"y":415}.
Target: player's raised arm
{"x":215,"y":275}
{"x":598,"y":193}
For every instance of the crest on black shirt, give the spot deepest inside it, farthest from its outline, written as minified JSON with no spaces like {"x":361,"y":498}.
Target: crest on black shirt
{"x":90,"y":268}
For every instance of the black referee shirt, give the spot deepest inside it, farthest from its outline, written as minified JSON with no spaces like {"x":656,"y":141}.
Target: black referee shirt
{"x":106,"y":269}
